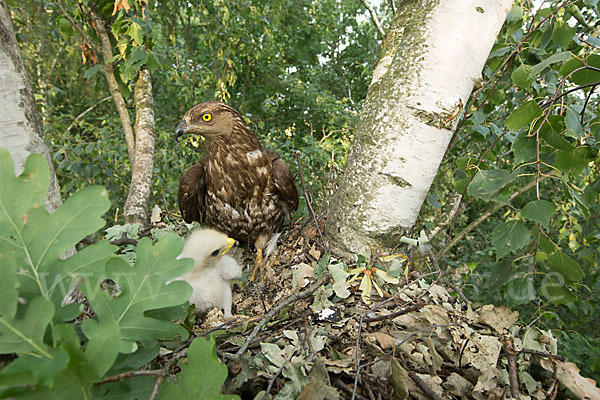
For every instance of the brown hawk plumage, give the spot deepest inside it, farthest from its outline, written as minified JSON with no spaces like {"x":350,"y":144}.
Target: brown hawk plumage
{"x":239,"y":188}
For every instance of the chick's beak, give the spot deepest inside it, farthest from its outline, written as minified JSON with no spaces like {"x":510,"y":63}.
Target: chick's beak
{"x":181,"y":129}
{"x":230,"y":243}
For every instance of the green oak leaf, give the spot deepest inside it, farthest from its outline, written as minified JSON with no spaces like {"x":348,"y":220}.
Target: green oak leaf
{"x":201,"y":378}
{"x":142,"y":288}
{"x":539,"y":211}
{"x":35,"y":240}
{"x":26,"y":334}
{"x":509,"y":237}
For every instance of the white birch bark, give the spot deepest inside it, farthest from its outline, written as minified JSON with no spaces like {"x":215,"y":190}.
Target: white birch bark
{"x":136,"y":206}
{"x":20,"y":125}
{"x":431,"y":57}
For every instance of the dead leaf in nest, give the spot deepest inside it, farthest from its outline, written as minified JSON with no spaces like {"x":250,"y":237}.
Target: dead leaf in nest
{"x":155,"y":216}
{"x":339,"y":366}
{"x":399,"y":381}
{"x":301,"y":275}
{"x":457,"y":385}
{"x":385,"y":341}
{"x":316,"y":254}
{"x":213,"y":318}
{"x":434,"y":360}
{"x":568,"y":374}
{"x":435,"y":314}
{"x":482,"y":351}
{"x":499,"y":318}
{"x":310,"y":232}
{"x":486,"y":383}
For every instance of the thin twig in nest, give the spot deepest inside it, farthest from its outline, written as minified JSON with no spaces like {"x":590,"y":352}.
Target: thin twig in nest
{"x":512,"y":366}
{"x":308,"y":203}
{"x":292,"y":299}
{"x":128,"y":374}
{"x":380,"y":304}
{"x":164,"y":372}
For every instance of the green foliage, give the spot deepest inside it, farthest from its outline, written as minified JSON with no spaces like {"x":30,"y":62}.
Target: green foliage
{"x":133,"y":305}
{"x":202,"y":377}
{"x":537,"y":122}
{"x":509,"y":237}
{"x":298,"y":70}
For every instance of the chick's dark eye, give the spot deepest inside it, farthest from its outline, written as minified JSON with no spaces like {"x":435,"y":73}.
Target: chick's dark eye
{"x":206,"y":117}
{"x":215,"y":253}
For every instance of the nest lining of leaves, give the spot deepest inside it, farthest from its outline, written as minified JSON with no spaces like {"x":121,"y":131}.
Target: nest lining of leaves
{"x":315,"y":319}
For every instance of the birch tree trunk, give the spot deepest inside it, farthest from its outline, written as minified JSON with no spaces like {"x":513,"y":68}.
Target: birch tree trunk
{"x":20,"y":125}
{"x":431,"y":57}
{"x":136,"y":206}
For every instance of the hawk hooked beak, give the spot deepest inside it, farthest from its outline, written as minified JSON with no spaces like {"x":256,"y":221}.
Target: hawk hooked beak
{"x":230,"y":243}
{"x":181,"y":129}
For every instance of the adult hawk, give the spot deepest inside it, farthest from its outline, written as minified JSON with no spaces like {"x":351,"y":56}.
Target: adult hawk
{"x":239,"y":188}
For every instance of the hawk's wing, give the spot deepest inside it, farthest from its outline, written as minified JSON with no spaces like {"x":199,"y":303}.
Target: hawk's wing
{"x":192,"y":189}
{"x":285,"y":183}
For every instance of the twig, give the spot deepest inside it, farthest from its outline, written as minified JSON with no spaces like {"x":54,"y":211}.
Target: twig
{"x":292,"y":299}
{"x":374,"y":17}
{"x":587,"y":99}
{"x":360,"y":323}
{"x":421,"y":384}
{"x":90,"y":108}
{"x":416,"y":307}
{"x":308,"y":204}
{"x":587,"y":85}
{"x":163,"y":374}
{"x":542,"y":354}
{"x":346,"y":388}
{"x":272,"y":381}
{"x":368,"y":387}
{"x":512,"y":366}
{"x":164,"y":198}
{"x":428,"y":328}
{"x":482,"y":218}
{"x":128,"y":374}
{"x":123,"y":240}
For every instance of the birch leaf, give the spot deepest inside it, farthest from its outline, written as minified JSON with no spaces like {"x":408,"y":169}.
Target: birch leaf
{"x":509,"y":237}
{"x":538,"y":211}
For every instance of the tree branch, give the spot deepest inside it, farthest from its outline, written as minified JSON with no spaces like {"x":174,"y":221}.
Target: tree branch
{"x":482,"y":218}
{"x":374,"y":17}
{"x":90,"y":108}
{"x":292,"y":299}
{"x":109,"y":74}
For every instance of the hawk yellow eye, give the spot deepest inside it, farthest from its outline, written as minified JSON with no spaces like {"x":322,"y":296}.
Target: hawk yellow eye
{"x":206,"y":117}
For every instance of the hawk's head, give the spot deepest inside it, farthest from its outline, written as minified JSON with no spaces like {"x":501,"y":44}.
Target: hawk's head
{"x":211,"y":120}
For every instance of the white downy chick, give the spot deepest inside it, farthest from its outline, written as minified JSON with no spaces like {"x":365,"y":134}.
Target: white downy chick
{"x":212,"y":270}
